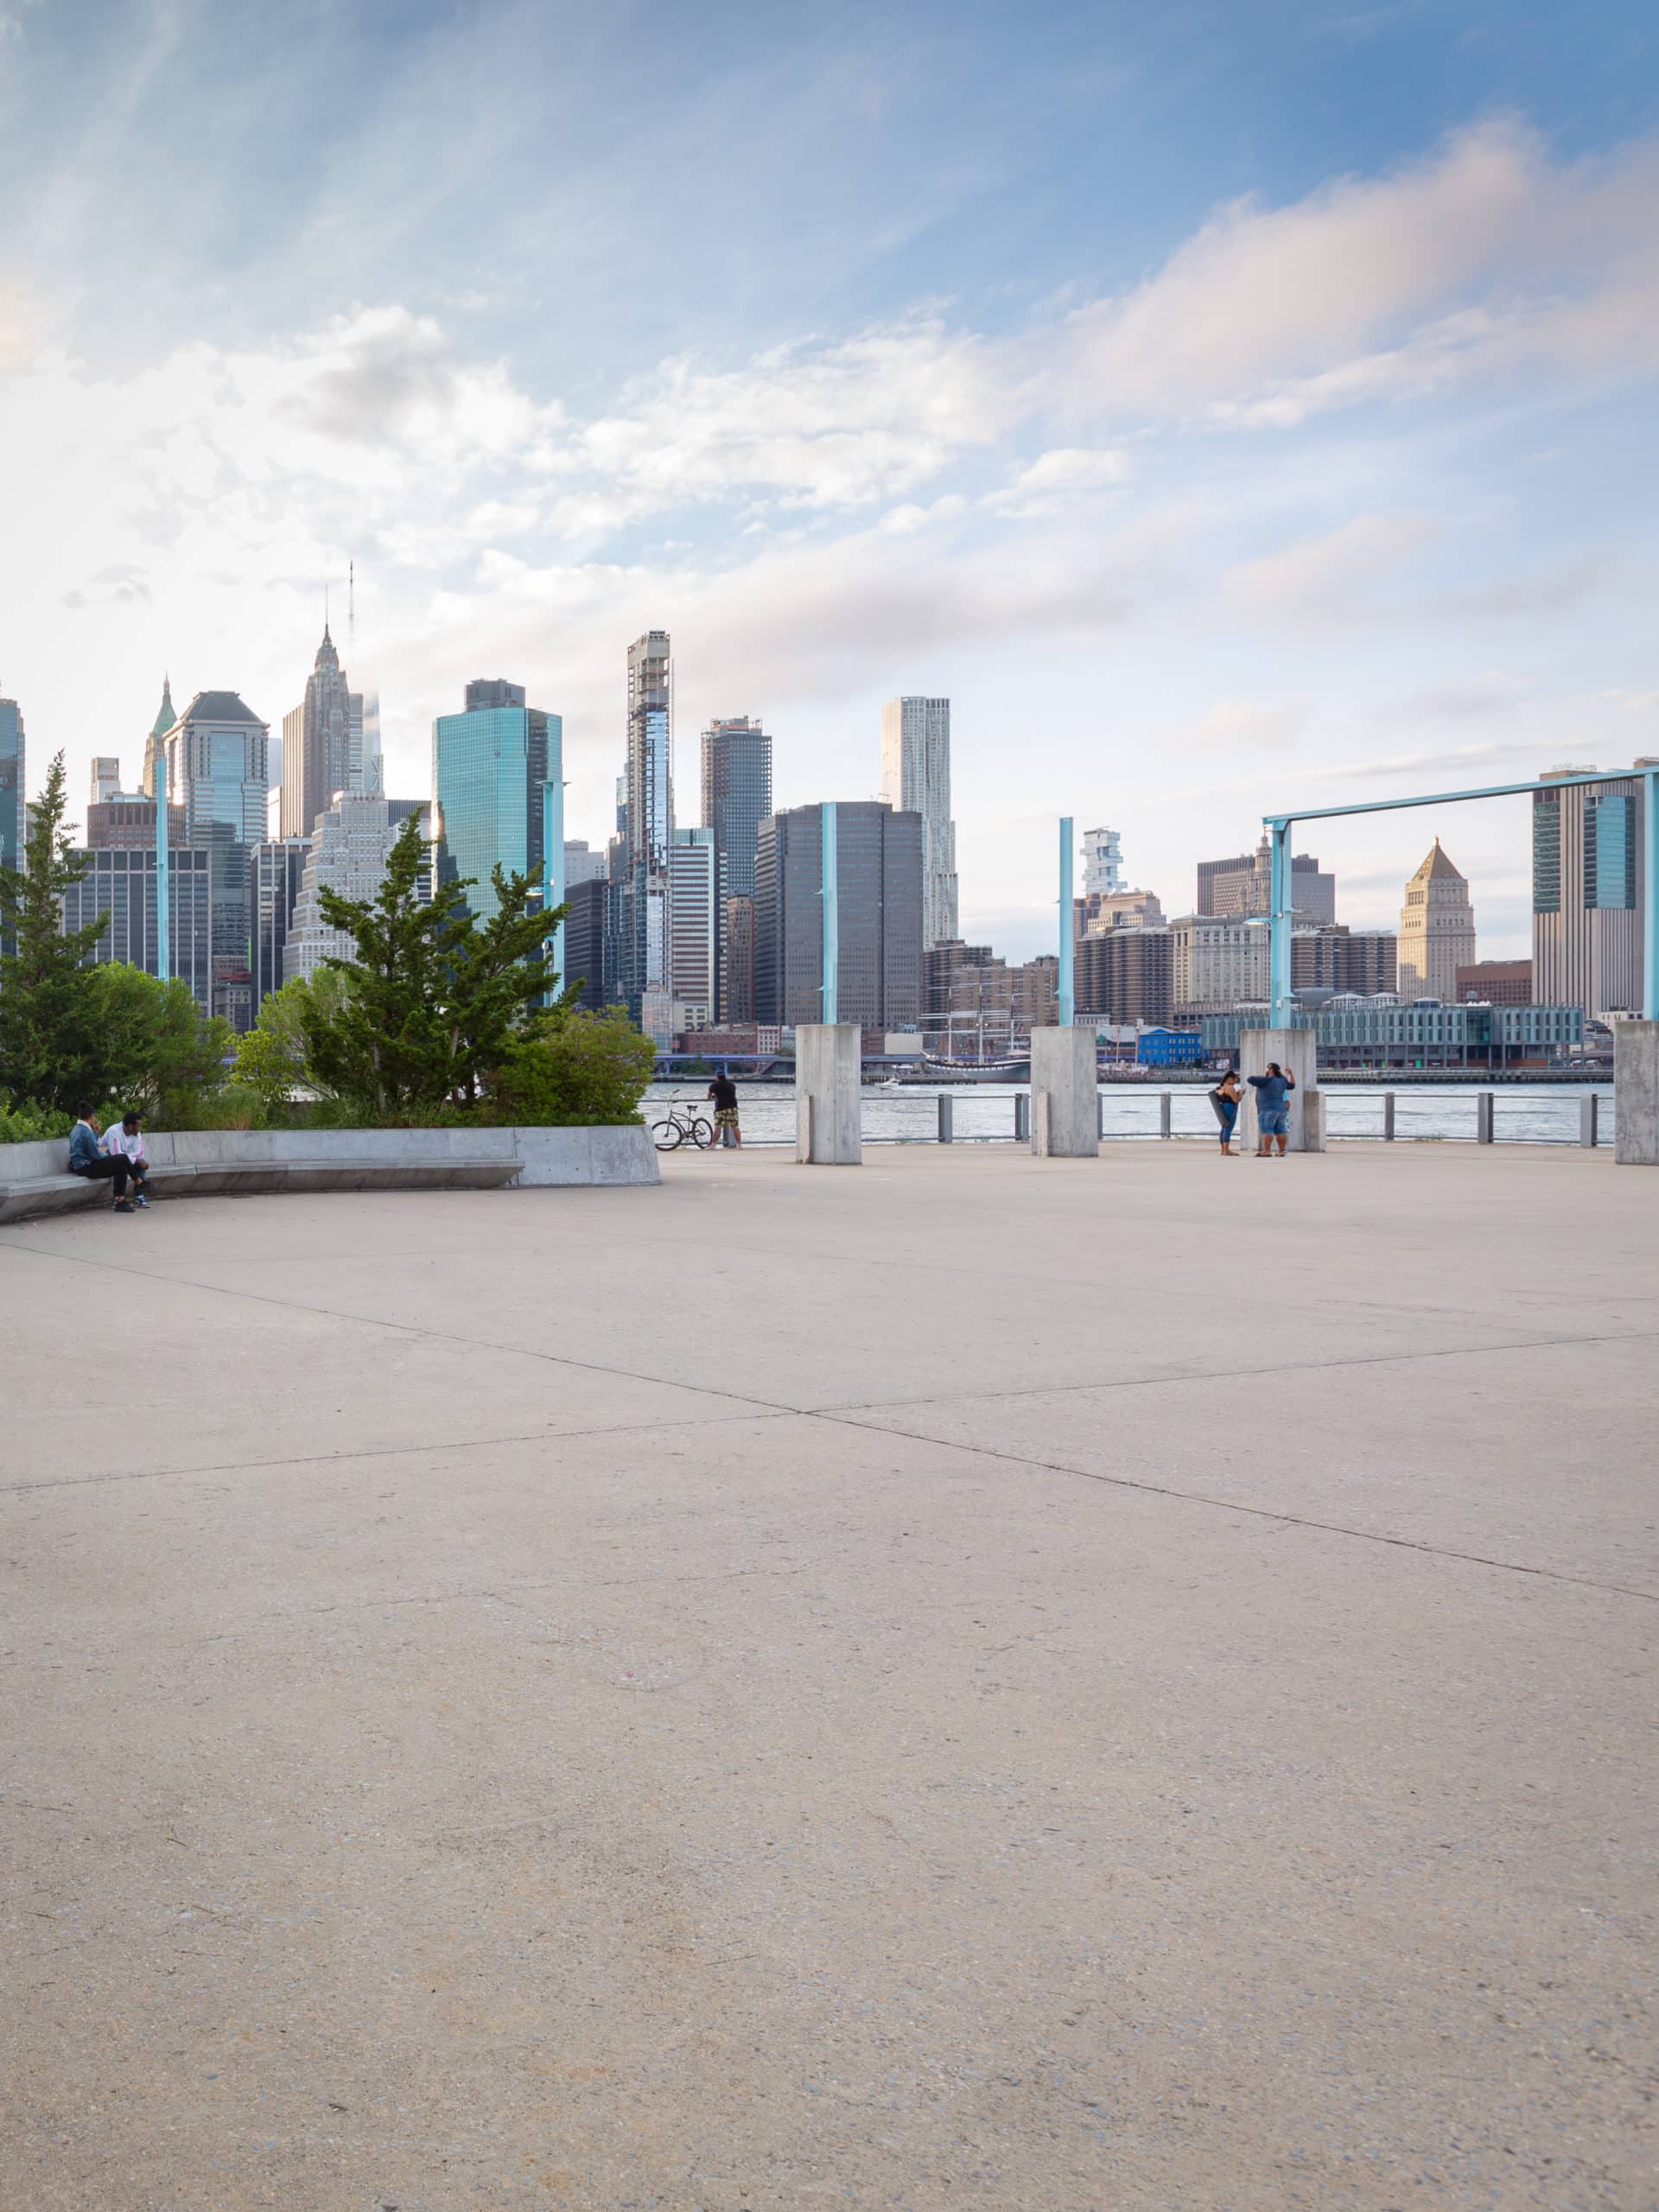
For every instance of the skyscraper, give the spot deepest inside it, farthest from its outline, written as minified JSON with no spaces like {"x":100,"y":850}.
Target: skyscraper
{"x":1103,"y":861}
{"x":106,"y":783}
{"x":491,"y":766}
{"x":736,"y":800}
{"x":1437,"y":930}
{"x":277,"y":872}
{"x":348,"y":853}
{"x":215,"y":757}
{"x":589,"y":953}
{"x":1242,"y":884}
{"x":323,"y":744}
{"x":1587,"y":893}
{"x":737,"y":979}
{"x":11,"y":783}
{"x":692,"y":927}
{"x":649,"y":831}
{"x":120,"y":884}
{"x":879,"y":887}
{"x":165,"y":718}
{"x":916,"y":779}
{"x":581,"y":865}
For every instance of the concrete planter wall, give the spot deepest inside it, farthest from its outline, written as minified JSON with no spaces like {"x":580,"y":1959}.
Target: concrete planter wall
{"x":201,"y":1163}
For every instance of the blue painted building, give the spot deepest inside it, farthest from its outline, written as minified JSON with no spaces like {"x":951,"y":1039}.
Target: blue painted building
{"x":1170,"y":1048}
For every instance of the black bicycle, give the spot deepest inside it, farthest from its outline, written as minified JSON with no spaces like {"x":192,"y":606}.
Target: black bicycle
{"x":684,"y":1125}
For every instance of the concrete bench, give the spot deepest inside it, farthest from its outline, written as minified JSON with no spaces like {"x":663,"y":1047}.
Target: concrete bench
{"x":35,"y":1179}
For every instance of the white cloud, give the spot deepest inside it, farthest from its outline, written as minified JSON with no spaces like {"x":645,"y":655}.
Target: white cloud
{"x":823,"y":426}
{"x":1320,"y":583}
{"x":1484,"y":257}
{"x":1057,"y":478}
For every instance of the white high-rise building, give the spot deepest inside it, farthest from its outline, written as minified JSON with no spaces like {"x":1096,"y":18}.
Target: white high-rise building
{"x":581,"y":865}
{"x":350,"y":848}
{"x":649,"y":832}
{"x":691,"y":913}
{"x":1103,"y":861}
{"x":916,"y":779}
{"x":1217,"y":964}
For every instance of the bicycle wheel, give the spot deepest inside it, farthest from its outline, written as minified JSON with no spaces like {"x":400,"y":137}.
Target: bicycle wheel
{"x":700,"y":1132}
{"x":667,"y":1135}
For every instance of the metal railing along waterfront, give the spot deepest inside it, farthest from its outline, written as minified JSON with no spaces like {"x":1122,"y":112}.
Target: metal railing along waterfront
{"x":1000,"y":1114}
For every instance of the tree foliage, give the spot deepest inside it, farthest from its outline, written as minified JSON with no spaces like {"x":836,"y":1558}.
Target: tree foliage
{"x":572,"y":1070}
{"x":435,"y":996}
{"x":73,"y":1031}
{"x":271,"y":1059}
{"x":48,"y":1041}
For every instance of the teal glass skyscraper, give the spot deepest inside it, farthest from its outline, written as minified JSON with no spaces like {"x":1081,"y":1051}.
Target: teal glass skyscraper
{"x":11,"y":784}
{"x":490,"y":763}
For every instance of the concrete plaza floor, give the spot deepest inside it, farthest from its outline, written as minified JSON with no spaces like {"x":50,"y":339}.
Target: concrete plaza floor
{"x":971,"y":1682}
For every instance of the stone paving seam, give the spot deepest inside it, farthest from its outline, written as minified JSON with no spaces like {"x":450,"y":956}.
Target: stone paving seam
{"x":1233,"y":1505}
{"x":1240,"y":1374}
{"x":398,"y":1451}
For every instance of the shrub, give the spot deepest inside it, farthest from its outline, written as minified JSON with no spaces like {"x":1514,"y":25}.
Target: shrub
{"x":572,"y":1070}
{"x":23,"y":1124}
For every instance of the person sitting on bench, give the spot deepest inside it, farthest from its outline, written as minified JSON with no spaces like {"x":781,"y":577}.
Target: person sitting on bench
{"x":127,"y":1138}
{"x":85,"y":1159}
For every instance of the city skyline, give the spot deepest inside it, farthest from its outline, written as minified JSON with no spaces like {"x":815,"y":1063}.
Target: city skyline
{"x":1215,"y":415}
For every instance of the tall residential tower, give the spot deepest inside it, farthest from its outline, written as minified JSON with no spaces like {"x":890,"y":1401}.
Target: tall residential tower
{"x":916,"y":779}
{"x":1587,"y":893}
{"x":648,"y":980}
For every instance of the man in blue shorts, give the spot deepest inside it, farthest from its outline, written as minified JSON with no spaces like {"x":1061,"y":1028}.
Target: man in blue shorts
{"x":1271,"y":1108}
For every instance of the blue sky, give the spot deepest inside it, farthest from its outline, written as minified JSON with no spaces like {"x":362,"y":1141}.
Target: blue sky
{"x":1227,"y":406}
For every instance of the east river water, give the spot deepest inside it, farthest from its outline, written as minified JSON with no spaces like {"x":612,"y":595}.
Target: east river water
{"x":1523,"y":1114}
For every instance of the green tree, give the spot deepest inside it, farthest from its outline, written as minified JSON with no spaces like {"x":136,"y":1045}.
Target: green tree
{"x":49,"y":1050}
{"x":434,"y":997}
{"x":573,"y":1069}
{"x":272,"y":1059}
{"x":156,"y":1050}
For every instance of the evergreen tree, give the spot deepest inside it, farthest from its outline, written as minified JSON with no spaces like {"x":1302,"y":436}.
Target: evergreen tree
{"x":49,"y":1049}
{"x":434,"y":997}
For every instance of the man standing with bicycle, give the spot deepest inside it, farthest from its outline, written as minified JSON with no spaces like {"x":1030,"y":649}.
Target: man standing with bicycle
{"x":723,"y":1091}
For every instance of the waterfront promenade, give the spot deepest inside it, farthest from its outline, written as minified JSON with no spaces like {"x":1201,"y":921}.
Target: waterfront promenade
{"x":969,"y":1682}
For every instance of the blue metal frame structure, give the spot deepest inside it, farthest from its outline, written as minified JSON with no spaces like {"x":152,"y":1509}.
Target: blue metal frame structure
{"x":831,"y":898}
{"x":553,"y":862}
{"x":163,"y":902}
{"x":1279,"y":827}
{"x":1064,"y":1010}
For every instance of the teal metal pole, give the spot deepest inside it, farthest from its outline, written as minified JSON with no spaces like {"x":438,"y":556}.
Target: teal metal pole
{"x":831,"y":917}
{"x":163,"y":895}
{"x":1650,"y":894}
{"x":1279,"y":925}
{"x":553,"y":860}
{"x":1065,"y":994}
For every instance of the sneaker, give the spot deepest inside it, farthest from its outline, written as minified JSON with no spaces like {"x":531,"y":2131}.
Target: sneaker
{"x":142,"y":1201}
{"x":121,"y":1205}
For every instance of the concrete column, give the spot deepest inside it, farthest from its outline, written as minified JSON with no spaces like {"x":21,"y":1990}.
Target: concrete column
{"x":1063,"y":1072}
{"x":1636,"y":1092}
{"x":1312,"y":1121}
{"x":828,"y":1132}
{"x":1296,"y":1051}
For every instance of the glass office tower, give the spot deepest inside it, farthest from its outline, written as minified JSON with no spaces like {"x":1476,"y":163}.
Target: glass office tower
{"x":736,"y":800}
{"x":490,"y":763}
{"x":11,"y":784}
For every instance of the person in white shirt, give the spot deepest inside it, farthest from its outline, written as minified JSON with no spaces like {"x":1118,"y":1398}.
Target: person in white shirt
{"x":128,"y":1140}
